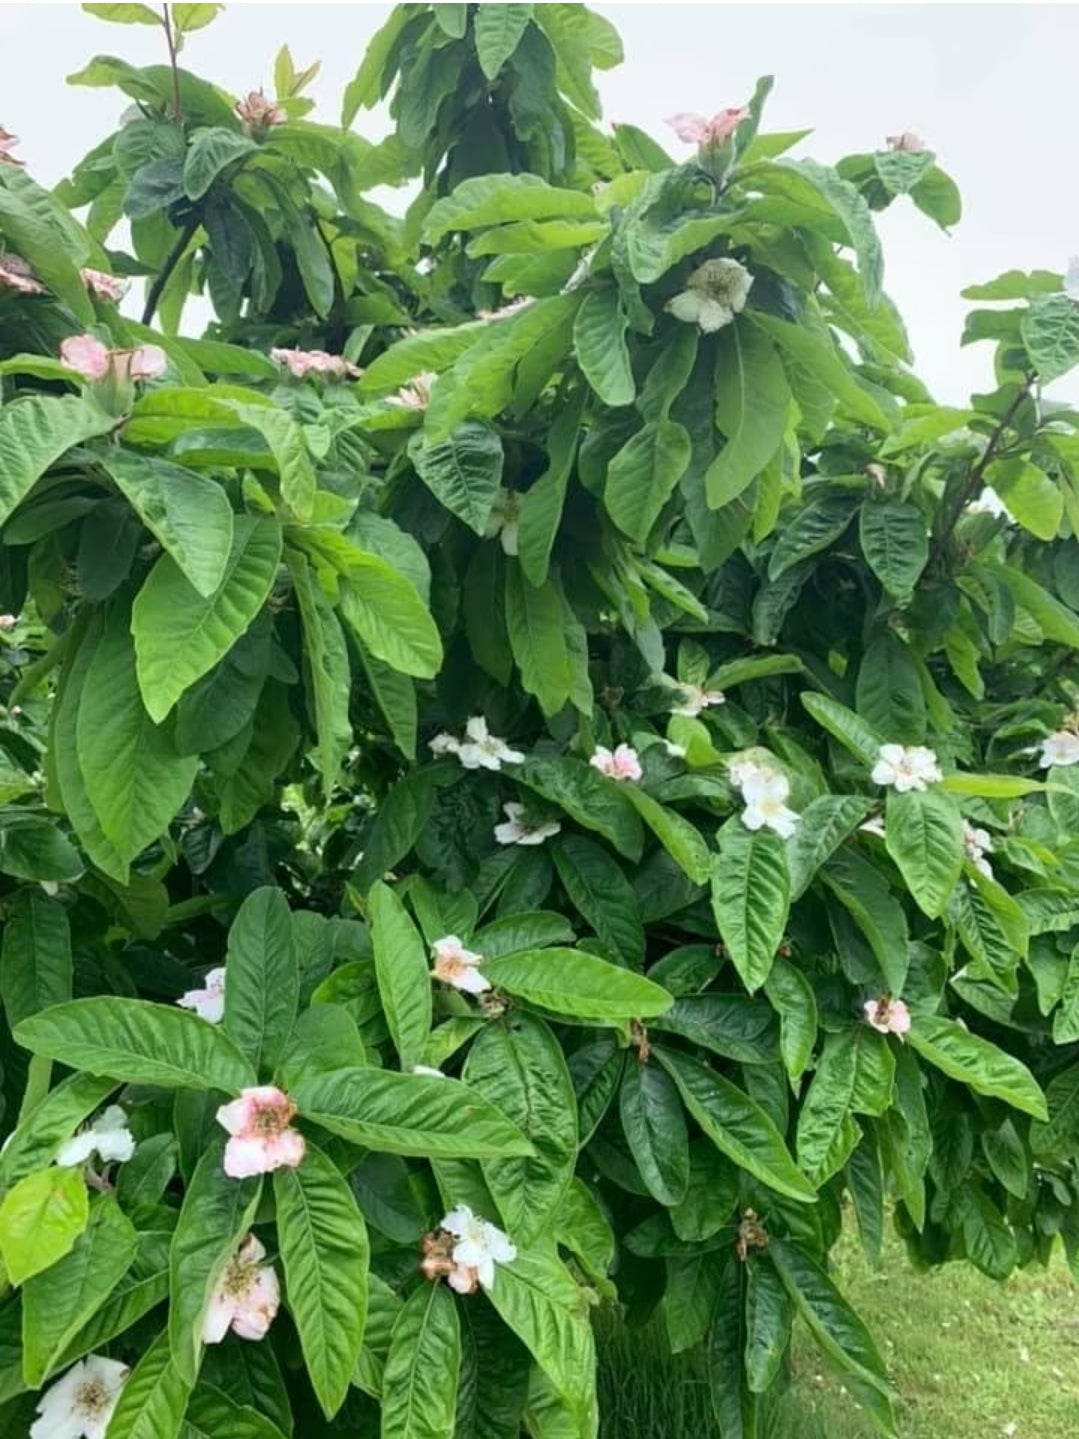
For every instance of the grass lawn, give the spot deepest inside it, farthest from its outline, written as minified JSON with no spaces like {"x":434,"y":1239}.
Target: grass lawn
{"x":970,"y":1359}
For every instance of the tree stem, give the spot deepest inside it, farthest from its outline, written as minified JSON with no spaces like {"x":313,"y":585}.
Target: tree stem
{"x":172,"y":259}
{"x":177,"y":108}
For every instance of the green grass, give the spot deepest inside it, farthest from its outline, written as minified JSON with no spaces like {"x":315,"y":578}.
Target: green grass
{"x":969,"y":1358}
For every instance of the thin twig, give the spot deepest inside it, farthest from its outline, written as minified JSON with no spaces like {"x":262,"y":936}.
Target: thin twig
{"x":177,"y":108}
{"x":969,"y":490}
{"x":172,"y":259}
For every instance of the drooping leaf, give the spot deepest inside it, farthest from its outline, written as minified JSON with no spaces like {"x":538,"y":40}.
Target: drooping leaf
{"x":402,"y":967}
{"x":654,"y":1125}
{"x":419,"y":1385}
{"x":751,"y":898}
{"x":924,"y":835}
{"x":35,"y":961}
{"x":577,"y":984}
{"x":262,"y":978}
{"x":752,"y":405}
{"x":976,"y":1062}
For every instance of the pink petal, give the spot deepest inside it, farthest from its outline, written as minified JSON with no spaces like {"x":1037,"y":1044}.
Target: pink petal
{"x":216,"y":1320}
{"x":148,"y":362}
{"x":245,"y":1157}
{"x":237,"y":1115}
{"x":691,"y":128}
{"x":286,"y":1150}
{"x":86,"y":355}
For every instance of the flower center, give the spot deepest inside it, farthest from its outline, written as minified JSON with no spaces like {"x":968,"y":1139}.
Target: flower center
{"x":92,"y":1398}
{"x":273,"y":1118}
{"x":238,"y":1278}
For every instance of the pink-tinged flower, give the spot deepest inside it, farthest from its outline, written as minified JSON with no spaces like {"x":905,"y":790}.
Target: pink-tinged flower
{"x":104,"y":287}
{"x":887,"y":1016}
{"x":245,"y":1298}
{"x":80,"y":1404}
{"x":208,"y":1002}
{"x":8,"y":622}
{"x":715,"y":293}
{"x":507,"y":312}
{"x":480,"y":749}
{"x":1060,"y":748}
{"x":108,"y":1137}
{"x":695,"y":700}
{"x":261,"y":1138}
{"x":458,"y":967}
{"x":766,"y":792}
{"x":620,"y":764}
{"x":517,"y":830}
{"x":8,"y":141}
{"x":147,"y":362}
{"x":907,"y":143}
{"x":255,"y":110}
{"x":16,"y":274}
{"x":416,"y":395}
{"x":977,"y":843}
{"x":705,"y":130}
{"x":906,"y":767}
{"x":480,"y":1246}
{"x":86,"y":355}
{"x":301,"y":363}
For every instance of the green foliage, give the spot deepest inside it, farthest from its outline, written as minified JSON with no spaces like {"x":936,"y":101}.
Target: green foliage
{"x":496,"y":684}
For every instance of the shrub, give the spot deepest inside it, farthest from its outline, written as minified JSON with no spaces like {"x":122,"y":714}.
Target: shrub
{"x":566,"y":588}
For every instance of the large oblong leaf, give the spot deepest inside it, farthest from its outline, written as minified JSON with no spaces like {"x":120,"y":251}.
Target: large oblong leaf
{"x":324,"y":1250}
{"x":654,"y":1124}
{"x":138,"y":1042}
{"x":736,"y":1125}
{"x":753,"y":401}
{"x":388,"y":615}
{"x":408,"y":1114}
{"x":519,"y":1066}
{"x":419,"y":1384}
{"x":751,"y":899}
{"x":154,"y":1397}
{"x":404,"y":983}
{"x":599,"y":340}
{"x":35,"y":958}
{"x":578,"y":984}
{"x":923,"y":832}
{"x":463,"y":471}
{"x":768,"y":1323}
{"x":602,"y":894}
{"x":642,"y":476}
{"x":34,"y":433}
{"x":977,"y":1063}
{"x":540,"y":1302}
{"x":189,"y":514}
{"x":895,"y":543}
{"x":263,"y":985}
{"x":41,"y":1219}
{"x":180,"y":634}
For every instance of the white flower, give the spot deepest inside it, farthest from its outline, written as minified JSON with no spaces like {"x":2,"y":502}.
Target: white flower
{"x":695,"y":699}
{"x":426,"y":1071}
{"x":1071,"y":279}
{"x":978,"y":843}
{"x":906,"y":767}
{"x":676,"y":751}
{"x":416,"y":395}
{"x":505,"y":517}
{"x":482,"y":750}
{"x":480,"y":1246}
{"x":245,"y":1298}
{"x":739,"y":771}
{"x":620,"y":764}
{"x":457,"y":966}
{"x":108,"y":1137}
{"x":208,"y":1002}
{"x":1061,"y":748}
{"x":716,"y":292}
{"x":989,"y":503}
{"x":874,"y":826}
{"x":516,"y":831}
{"x":766,"y":793}
{"x":444,"y":744}
{"x":80,"y":1405}
{"x":887,"y":1016}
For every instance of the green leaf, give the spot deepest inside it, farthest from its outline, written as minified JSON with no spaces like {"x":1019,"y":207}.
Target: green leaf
{"x":768,"y":1323}
{"x":419,"y":1385}
{"x":587,"y":797}
{"x":655,"y":1128}
{"x":388,"y":615}
{"x":811,"y":530}
{"x":154,"y":1397}
{"x":188,"y":18}
{"x":545,"y":1309}
{"x":189,"y":514}
{"x":402,"y":968}
{"x":217,"y":1212}
{"x":602,"y":895}
{"x":541,"y":505}
{"x":408,"y":1114}
{"x":643,"y":475}
{"x":812,"y":347}
{"x":578,"y":984}
{"x":536,"y":626}
{"x":863,"y":891}
{"x":825,"y":823}
{"x":45,"y":1125}
{"x":209,"y":152}
{"x":498,"y":30}
{"x":1032,"y":497}
{"x":463,"y":471}
{"x":41,"y":1219}
{"x":35,"y":961}
{"x":40,"y":231}
{"x":124,"y":14}
{"x":831,"y":1321}
{"x":924,"y":835}
{"x":599,"y":341}
{"x":732,"y":1025}
{"x":180,"y":634}
{"x":210,"y":1412}
{"x":37,"y":431}
{"x":327,"y":671}
{"x":395,"y":695}
{"x":895,"y":543}
{"x":1050,"y":330}
{"x":752,"y":407}
{"x":823,"y":1118}
{"x":791,"y":995}
{"x":324,"y":1251}
{"x":682,"y":841}
{"x":494,"y":199}
{"x":751,"y":898}
{"x":263,"y":979}
{"x":518,"y":1065}
{"x":138,"y":1042}
{"x":285,"y":438}
{"x":848,"y":205}
{"x":888,"y":692}
{"x":1057,"y":621}
{"x":58,"y":1302}
{"x":737,"y":1126}
{"x":851,"y":731}
{"x":734,"y":1407}
{"x":977,"y":1063}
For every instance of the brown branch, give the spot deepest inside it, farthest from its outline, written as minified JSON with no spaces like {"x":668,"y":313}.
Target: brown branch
{"x":969,"y":490}
{"x":172,"y":259}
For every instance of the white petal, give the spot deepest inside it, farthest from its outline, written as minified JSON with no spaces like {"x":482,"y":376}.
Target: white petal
{"x":687,"y":306}
{"x":458,"y":1220}
{"x":76,"y":1150}
{"x":218,"y":1317}
{"x":713,"y":316}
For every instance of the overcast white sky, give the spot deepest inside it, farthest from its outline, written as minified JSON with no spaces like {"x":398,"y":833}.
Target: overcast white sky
{"x":990,"y":87}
